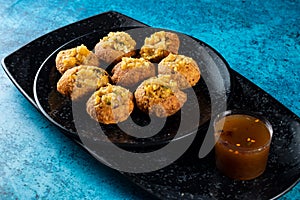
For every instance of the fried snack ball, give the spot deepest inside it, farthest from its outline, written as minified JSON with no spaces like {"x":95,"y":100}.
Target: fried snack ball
{"x":159,"y":45}
{"x":182,"y":68}
{"x":131,"y":71}
{"x":82,"y":80}
{"x":159,"y":96}
{"x":114,"y":46}
{"x":70,"y":58}
{"x":110,"y":104}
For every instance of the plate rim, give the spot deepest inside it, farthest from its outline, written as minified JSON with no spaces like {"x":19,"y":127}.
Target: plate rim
{"x":150,"y":144}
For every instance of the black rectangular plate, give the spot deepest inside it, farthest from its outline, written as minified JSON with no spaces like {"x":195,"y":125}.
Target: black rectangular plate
{"x":189,"y":177}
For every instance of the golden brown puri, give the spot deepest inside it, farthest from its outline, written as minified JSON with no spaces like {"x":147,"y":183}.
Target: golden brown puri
{"x":70,"y":58}
{"x":159,"y":96}
{"x":81,"y":80}
{"x":114,"y":46}
{"x":159,"y":45}
{"x":131,"y":71}
{"x":110,"y":104}
{"x":182,"y":68}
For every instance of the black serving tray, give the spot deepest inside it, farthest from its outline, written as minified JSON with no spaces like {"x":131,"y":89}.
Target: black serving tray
{"x":189,"y":177}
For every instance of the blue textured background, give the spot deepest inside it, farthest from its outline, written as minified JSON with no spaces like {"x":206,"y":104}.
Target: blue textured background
{"x":260,"y":40}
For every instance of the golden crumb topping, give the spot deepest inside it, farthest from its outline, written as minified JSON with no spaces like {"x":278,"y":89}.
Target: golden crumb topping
{"x":149,"y":52}
{"x":160,"y":87}
{"x":129,"y":63}
{"x":89,"y":77}
{"x":159,"y":44}
{"x":74,"y":56}
{"x":177,"y":62}
{"x":158,"y":40}
{"x":91,"y":74}
{"x":113,"y":96}
{"x":120,"y":41}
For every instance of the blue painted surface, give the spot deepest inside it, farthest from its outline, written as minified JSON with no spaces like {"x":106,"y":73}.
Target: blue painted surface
{"x":261,"y":40}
